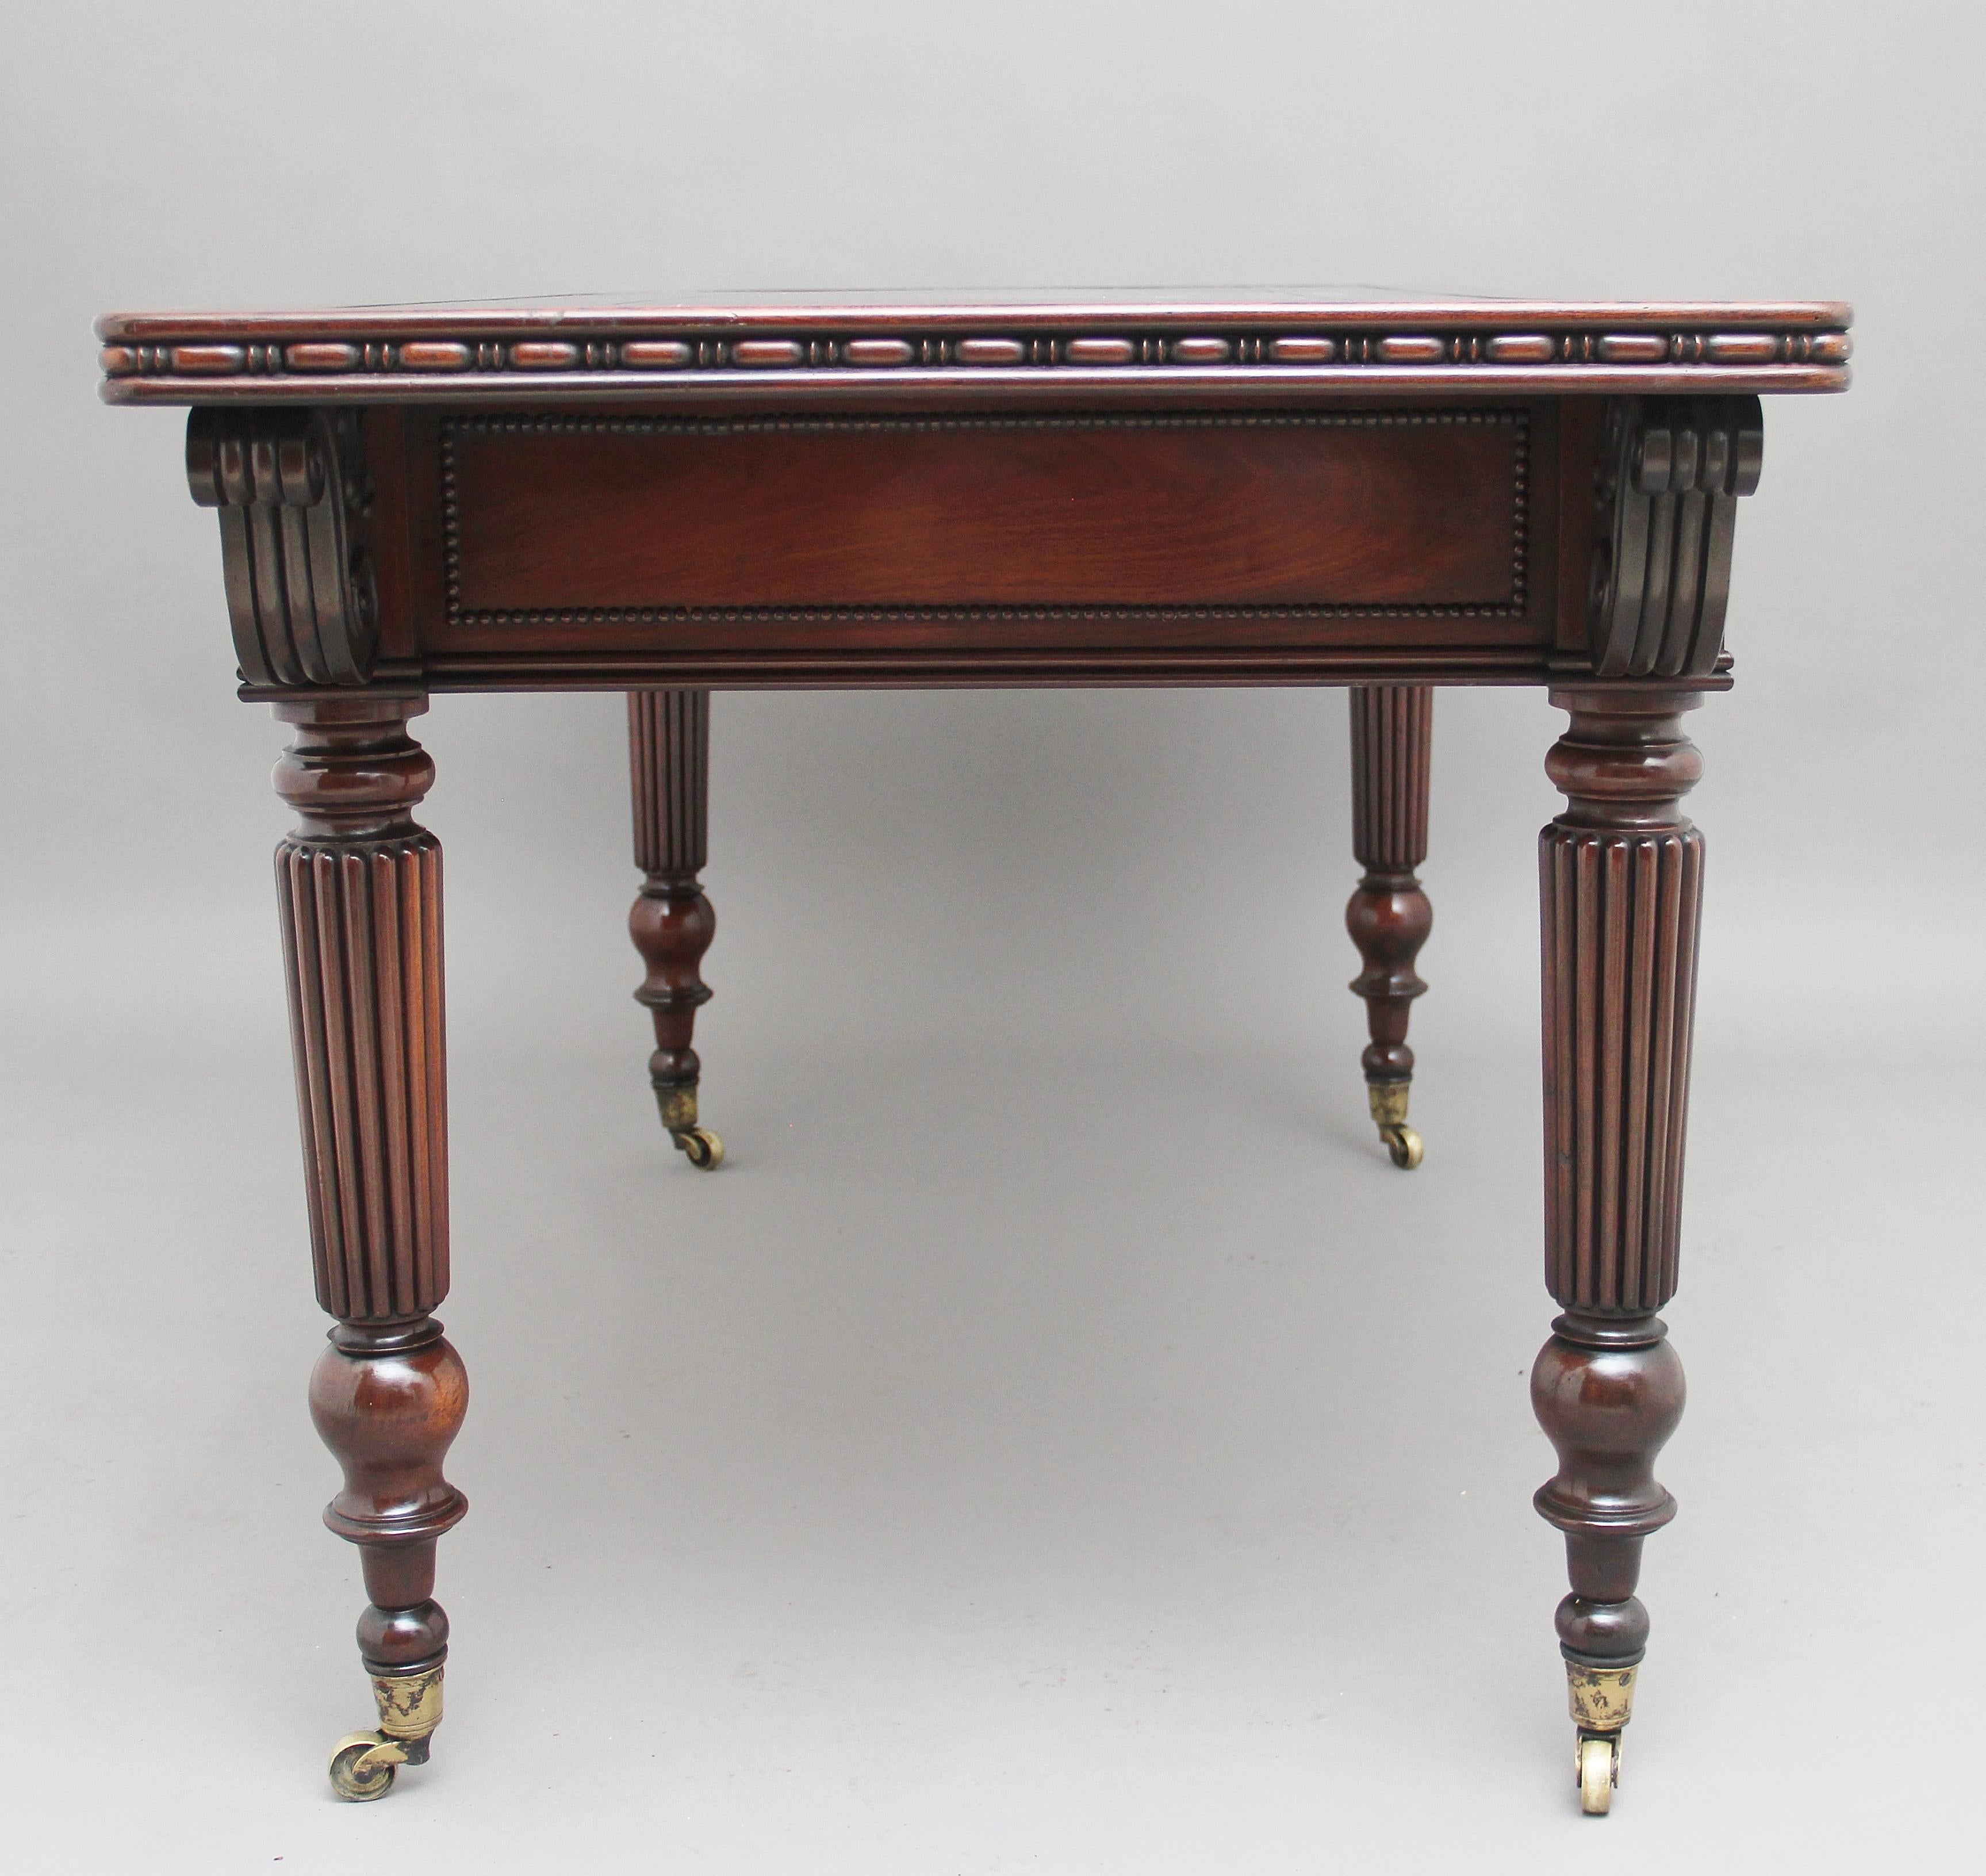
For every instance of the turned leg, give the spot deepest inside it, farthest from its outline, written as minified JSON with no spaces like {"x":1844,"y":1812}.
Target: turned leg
{"x":1392,"y":730}
{"x":1622,"y":874}
{"x":360,"y":887}
{"x":671,"y":924}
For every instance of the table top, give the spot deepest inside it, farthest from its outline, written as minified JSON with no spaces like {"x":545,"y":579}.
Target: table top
{"x":891,"y":349}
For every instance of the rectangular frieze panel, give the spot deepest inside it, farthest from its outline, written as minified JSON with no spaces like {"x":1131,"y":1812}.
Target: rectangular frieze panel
{"x":573,"y":521}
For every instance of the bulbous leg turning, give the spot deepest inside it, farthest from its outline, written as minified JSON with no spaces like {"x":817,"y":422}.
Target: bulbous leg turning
{"x":672,"y":922}
{"x":389,"y":1400}
{"x":1608,"y":1392}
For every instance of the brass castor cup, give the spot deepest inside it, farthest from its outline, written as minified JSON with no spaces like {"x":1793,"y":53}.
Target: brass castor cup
{"x":1389,"y":1102}
{"x":363,"y":1765}
{"x":1602,"y":1700}
{"x":677,"y":1104}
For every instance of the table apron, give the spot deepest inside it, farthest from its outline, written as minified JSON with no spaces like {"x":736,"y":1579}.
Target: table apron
{"x":590,"y":551}
{"x":1502,"y":541}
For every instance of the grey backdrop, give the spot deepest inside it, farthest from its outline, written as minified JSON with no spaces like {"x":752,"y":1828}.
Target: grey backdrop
{"x":1057,"y":1441}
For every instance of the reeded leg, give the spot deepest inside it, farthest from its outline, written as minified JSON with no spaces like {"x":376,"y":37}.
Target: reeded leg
{"x":360,"y":887}
{"x":671,"y":924}
{"x":1622,"y":875}
{"x":1392,"y":733}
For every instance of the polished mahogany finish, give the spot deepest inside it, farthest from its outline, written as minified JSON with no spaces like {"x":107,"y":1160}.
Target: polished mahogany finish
{"x":671,"y":922}
{"x":1383,"y":492}
{"x":360,"y":887}
{"x":1142,"y":350}
{"x":389,"y":1407}
{"x":395,"y":546}
{"x":1622,"y":873}
{"x":1622,"y":881}
{"x":360,"y":884}
{"x":934,"y":515}
{"x":1388,"y":917}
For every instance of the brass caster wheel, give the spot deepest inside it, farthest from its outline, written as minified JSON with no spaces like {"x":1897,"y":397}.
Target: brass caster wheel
{"x":705,"y":1151}
{"x":1598,"y":1766}
{"x":1404,"y":1146}
{"x":362,"y":1765}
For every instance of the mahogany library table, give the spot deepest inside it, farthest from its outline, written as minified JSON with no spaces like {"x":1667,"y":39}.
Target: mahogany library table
{"x":665,"y":499}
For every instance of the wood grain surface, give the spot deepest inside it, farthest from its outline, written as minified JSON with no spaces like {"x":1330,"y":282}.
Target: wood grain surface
{"x":1410,"y":508}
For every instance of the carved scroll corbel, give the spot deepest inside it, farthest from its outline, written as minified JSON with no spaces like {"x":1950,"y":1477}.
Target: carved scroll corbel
{"x":291,"y":491}
{"x":1671,"y":474}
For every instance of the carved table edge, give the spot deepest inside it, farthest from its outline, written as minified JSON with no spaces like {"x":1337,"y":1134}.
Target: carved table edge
{"x":499,"y":383}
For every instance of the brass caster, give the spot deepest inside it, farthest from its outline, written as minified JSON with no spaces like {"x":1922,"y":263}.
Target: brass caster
{"x":1388,"y":1100}
{"x":705,"y":1149}
{"x":362,"y":1765}
{"x":678,"y":1103}
{"x":1403,"y":1144}
{"x":1597,"y":1766}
